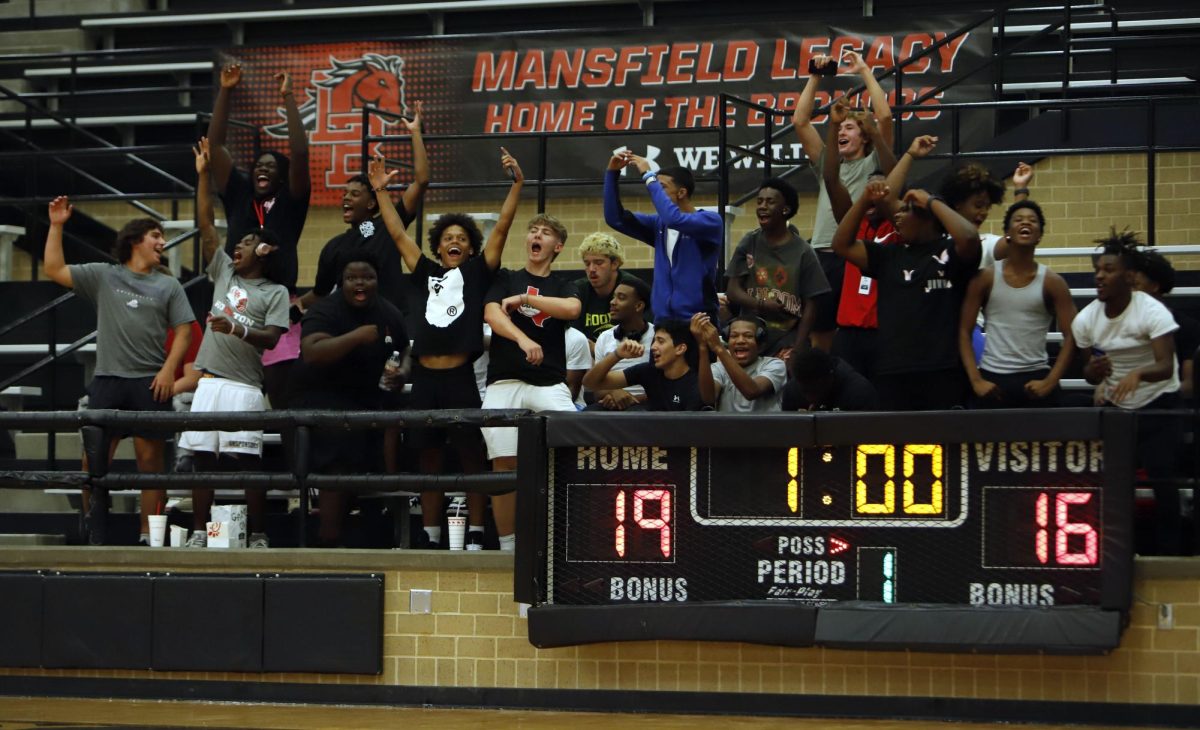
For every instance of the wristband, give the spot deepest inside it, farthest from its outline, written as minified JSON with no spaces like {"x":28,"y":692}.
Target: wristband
{"x":929,"y":204}
{"x":1021,"y":191}
{"x":649,"y":176}
{"x":381,"y":189}
{"x":245,"y":331}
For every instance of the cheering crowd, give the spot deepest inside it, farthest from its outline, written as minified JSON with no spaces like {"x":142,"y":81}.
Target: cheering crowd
{"x":895,"y":301}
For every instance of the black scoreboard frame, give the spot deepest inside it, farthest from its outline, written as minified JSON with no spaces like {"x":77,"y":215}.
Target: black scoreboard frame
{"x":1077,"y":629}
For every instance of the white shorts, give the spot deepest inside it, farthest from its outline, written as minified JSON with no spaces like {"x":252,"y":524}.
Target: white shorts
{"x":220,"y":394}
{"x":510,"y":394}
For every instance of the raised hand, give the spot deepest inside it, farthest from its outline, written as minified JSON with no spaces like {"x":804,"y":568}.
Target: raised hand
{"x":876,"y":190}
{"x":511,"y":166}
{"x":839,"y":112}
{"x":853,"y":61}
{"x":201,"y":151}
{"x":922,"y":145}
{"x":231,"y":75}
{"x":641,"y":163}
{"x":60,"y":210}
{"x":285,"y":83}
{"x":1023,"y":175}
{"x":619,"y":160}
{"x":414,"y":125}
{"x":918,"y":198}
{"x":378,"y":173}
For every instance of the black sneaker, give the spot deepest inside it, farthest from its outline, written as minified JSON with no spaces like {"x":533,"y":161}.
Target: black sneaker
{"x":421,"y":541}
{"x":474,"y":540}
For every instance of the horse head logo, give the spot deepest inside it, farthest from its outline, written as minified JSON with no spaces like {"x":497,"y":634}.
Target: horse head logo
{"x":346,"y":87}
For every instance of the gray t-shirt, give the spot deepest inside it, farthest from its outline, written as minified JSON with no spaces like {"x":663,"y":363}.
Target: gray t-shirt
{"x":731,"y":400}
{"x":133,"y":313}
{"x":254,"y":303}
{"x":789,"y":274}
{"x":853,"y":175}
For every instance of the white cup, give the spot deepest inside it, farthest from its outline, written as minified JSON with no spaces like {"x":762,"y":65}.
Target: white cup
{"x":458,"y":531}
{"x":158,"y":530}
{"x":179,"y":535}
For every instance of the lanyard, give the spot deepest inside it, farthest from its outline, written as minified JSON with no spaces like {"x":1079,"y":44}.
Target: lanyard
{"x":260,"y":212}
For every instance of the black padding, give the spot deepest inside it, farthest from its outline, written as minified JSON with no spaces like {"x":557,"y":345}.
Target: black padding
{"x":323,"y":624}
{"x":208,"y":623}
{"x":780,"y":623}
{"x":989,"y":629}
{"x":678,"y":429}
{"x":1042,"y":424}
{"x":21,"y":620}
{"x":1120,"y":459}
{"x":97,"y":621}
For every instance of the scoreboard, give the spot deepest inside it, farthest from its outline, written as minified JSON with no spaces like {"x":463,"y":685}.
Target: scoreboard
{"x":921,"y":530}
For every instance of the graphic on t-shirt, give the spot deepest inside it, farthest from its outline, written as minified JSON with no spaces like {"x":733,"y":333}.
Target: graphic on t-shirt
{"x":132,"y":304}
{"x":537,"y":315}
{"x":445,"y":303}
{"x":237,"y":297}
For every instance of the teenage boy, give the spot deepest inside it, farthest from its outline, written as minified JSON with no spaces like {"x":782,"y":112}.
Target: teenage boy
{"x":742,"y":381}
{"x":1126,"y":339}
{"x":686,"y":241}
{"x":449,"y":334}
{"x":248,"y":315}
{"x":775,"y":274}
{"x":823,"y":382}
{"x":528,"y":310}
{"x":627,"y":312}
{"x":135,"y":306}
{"x":862,"y":146}
{"x":669,"y":378}
{"x":1156,"y":276}
{"x":602,"y":256}
{"x":1019,"y":298}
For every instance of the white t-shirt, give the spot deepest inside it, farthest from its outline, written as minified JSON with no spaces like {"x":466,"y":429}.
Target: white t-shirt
{"x":579,"y":355}
{"x":1126,"y":340}
{"x":606,"y":344}
{"x":730,"y":399}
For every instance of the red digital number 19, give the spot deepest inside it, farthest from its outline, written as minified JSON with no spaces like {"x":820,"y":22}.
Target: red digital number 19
{"x":1065,"y":528}
{"x":662,"y":523}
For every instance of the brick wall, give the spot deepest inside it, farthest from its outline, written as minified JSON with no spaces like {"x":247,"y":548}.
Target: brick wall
{"x":1081,"y":196}
{"x":475,"y":638}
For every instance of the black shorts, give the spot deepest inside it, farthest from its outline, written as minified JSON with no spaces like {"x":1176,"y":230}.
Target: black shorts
{"x":433,"y":390}
{"x":127,"y":394}
{"x":1012,"y":386}
{"x":834,"y":267}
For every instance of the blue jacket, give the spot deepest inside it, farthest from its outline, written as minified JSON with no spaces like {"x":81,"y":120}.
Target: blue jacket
{"x":686,"y":282}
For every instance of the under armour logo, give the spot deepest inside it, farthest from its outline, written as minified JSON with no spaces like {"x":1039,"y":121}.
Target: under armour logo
{"x":908,"y":274}
{"x":675,"y":399}
{"x":942,"y":258}
{"x":132,"y":304}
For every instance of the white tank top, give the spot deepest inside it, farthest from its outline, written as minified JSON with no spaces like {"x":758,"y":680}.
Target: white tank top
{"x":1017,"y":321}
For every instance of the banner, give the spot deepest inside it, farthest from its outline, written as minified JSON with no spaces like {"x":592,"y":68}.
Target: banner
{"x":633,"y":87}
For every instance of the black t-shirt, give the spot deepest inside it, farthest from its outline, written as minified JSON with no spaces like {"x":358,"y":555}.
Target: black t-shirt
{"x":450,"y":318}
{"x":1187,"y":337}
{"x":850,"y":392}
{"x":354,"y":378}
{"x":593,"y":314}
{"x":381,"y":247}
{"x":664,"y":394}
{"x":921,"y":287}
{"x":507,"y":359}
{"x":285,"y":219}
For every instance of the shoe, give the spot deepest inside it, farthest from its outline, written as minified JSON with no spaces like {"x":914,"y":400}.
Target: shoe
{"x":199,"y":539}
{"x":421,"y":541}
{"x":258,"y":541}
{"x":474,"y":540}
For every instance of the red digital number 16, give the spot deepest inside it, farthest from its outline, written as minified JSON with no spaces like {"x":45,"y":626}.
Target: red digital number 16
{"x":1062,"y":555}
{"x":662,"y":523}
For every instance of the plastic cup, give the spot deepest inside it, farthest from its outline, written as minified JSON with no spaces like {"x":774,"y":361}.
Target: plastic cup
{"x":158,"y":530}
{"x":458,"y":531}
{"x":179,"y":536}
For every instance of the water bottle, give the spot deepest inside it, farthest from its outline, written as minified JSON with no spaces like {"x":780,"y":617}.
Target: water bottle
{"x":390,"y":370}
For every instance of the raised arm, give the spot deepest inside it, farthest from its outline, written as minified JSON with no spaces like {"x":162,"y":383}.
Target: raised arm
{"x":963,"y":231}
{"x":839,"y":196}
{"x":415,"y":193}
{"x":706,"y":338}
{"x":845,"y":238}
{"x":633,"y":225}
{"x":977,"y":293}
{"x":1058,"y":295}
{"x":879,"y":100}
{"x":493,"y":250}
{"x":809,"y":138}
{"x":53,"y":261}
{"x":299,"y":184}
{"x":218,"y":125}
{"x":380,"y":177}
{"x":205,"y":218}
{"x":703,"y":225}
{"x":919,"y":148}
{"x":1022,"y":176}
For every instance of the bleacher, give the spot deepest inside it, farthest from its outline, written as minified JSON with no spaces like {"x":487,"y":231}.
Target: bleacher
{"x":100,"y":100}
